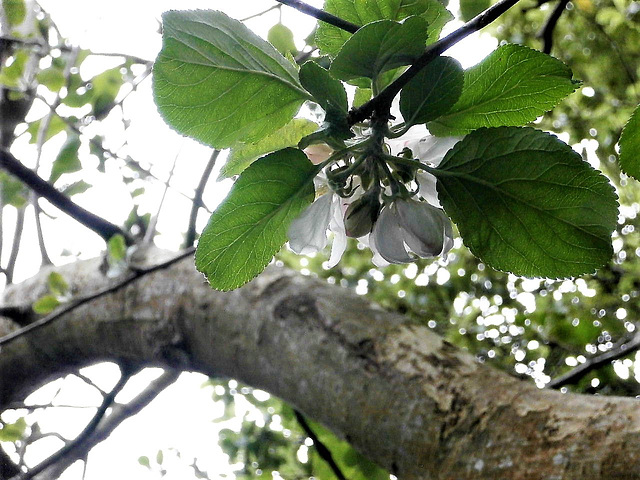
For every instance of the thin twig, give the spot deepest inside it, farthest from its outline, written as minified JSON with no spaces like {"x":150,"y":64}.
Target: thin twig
{"x":547,"y":31}
{"x":259,"y":14}
{"x":622,"y":349}
{"x":321,"y":15}
{"x":135,"y":275}
{"x":15,"y":247}
{"x":321,"y":448}
{"x":44,"y":189}
{"x":190,"y":236}
{"x":88,"y":430}
{"x":383,"y":100}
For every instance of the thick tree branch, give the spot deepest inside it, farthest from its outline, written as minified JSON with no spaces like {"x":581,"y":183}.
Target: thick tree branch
{"x":401,"y":395}
{"x":547,"y":31}
{"x":44,"y":189}
{"x":190,"y":237}
{"x":321,"y":15}
{"x":382,"y":101}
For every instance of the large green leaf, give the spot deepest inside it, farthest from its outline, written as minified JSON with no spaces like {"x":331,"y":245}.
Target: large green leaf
{"x":328,"y":92}
{"x":243,"y":154}
{"x":361,"y":12}
{"x":432,"y":92}
{"x":514,"y":85}
{"x":219,"y":83}
{"x":630,"y":146}
{"x":250,"y":225}
{"x":380,"y":46}
{"x":471,"y":8}
{"x":526,"y":203}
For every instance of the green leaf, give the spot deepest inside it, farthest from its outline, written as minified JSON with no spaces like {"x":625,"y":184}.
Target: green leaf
{"x":12,"y":432}
{"x":362,"y":96}
{"x":526,"y":203}
{"x":52,"y":78}
{"x":432,"y":92}
{"x":104,"y":90}
{"x":15,"y":11}
{"x":244,"y":154}
{"x":219,"y":83}
{"x":514,"y":85}
{"x":144,"y":461}
{"x":56,"y":125}
{"x":67,"y":160}
{"x":471,"y":8}
{"x":159,"y":457}
{"x":46,"y":304}
{"x":11,"y":76}
{"x":117,"y":248}
{"x":630,"y":146}
{"x":58,"y":286}
{"x":75,"y":188}
{"x":281,"y":37}
{"x":14,"y":192}
{"x":380,"y":46}
{"x":250,"y":225}
{"x":361,"y":12}
{"x":327,"y":92}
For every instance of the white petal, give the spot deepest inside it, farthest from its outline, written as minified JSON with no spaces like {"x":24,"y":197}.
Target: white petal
{"x":432,"y":149}
{"x":308,"y":233}
{"x":318,"y":153}
{"x":387,"y":237}
{"x":377,"y":259}
{"x":423,"y":227}
{"x":336,"y":225}
{"x":427,"y":188}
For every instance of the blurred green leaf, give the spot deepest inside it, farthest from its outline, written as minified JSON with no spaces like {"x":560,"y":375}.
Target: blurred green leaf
{"x":67,"y":160}
{"x":46,"y":304}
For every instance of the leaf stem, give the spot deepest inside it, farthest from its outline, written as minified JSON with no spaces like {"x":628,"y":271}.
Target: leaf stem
{"x":321,"y":15}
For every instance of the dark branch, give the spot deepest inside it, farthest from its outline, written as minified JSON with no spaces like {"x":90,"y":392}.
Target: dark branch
{"x":321,"y":448}
{"x":321,"y":15}
{"x":15,"y":246}
{"x":138,"y":273}
{"x":44,"y":189}
{"x":382,"y":101}
{"x":107,"y":402}
{"x":619,"y":350}
{"x":547,"y":31}
{"x":190,"y":236}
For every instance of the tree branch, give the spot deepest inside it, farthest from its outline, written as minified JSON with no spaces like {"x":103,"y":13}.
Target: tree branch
{"x":321,"y":448}
{"x":190,"y":236}
{"x":44,"y":189}
{"x":137,"y":274}
{"x":547,"y":31}
{"x":321,"y":15}
{"x":619,"y":350}
{"x":382,"y":101}
{"x":107,"y":402}
{"x":15,"y":246}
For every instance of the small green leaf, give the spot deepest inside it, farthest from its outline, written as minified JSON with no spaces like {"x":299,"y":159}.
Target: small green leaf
{"x":514,"y":85}
{"x":75,"y":188}
{"x":46,"y":304}
{"x":15,"y":11}
{"x":244,"y":154}
{"x":56,"y":126}
{"x":526,"y":203}
{"x":328,"y":92}
{"x":12,"y":432}
{"x":104,"y":90}
{"x":432,"y":92}
{"x":219,"y":83}
{"x":362,"y":96}
{"x":14,"y":192}
{"x":281,"y":37}
{"x":144,"y":461}
{"x":380,"y":46}
{"x":52,"y":78}
{"x":250,"y":225}
{"x":471,"y":8}
{"x":58,"y":286}
{"x":67,"y":160}
{"x":159,"y":457}
{"x":630,"y":146}
{"x":330,"y":39}
{"x":117,"y":248}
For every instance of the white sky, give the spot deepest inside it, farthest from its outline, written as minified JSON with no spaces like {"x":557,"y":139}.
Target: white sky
{"x":181,"y":416}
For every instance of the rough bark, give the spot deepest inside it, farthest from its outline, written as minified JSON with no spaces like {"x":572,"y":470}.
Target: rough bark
{"x":403,"y":396}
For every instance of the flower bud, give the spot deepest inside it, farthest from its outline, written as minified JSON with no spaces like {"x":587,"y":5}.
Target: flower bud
{"x":362,"y":214}
{"x":318,"y":153}
{"x":426,"y":228}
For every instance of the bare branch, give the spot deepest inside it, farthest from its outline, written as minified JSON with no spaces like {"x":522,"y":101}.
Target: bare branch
{"x":621,"y":349}
{"x":138,"y":273}
{"x":44,"y":189}
{"x":547,"y":31}
{"x":321,"y":448}
{"x":321,"y":15}
{"x":190,"y":236}
{"x":383,"y":100}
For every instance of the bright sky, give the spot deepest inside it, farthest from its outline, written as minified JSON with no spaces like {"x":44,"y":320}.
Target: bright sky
{"x":181,"y":416}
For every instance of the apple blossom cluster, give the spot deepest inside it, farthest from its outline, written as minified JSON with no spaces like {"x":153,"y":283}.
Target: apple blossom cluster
{"x":395,"y":213}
